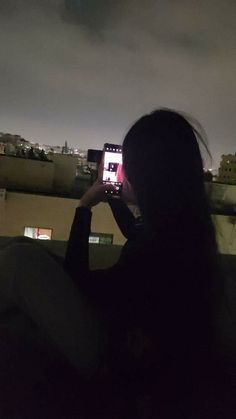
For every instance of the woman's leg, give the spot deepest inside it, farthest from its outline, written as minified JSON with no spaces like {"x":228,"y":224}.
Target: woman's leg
{"x":40,"y":243}
{"x":33,"y":282}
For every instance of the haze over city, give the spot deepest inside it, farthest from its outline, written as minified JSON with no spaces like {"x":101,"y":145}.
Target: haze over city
{"x":83,"y":71}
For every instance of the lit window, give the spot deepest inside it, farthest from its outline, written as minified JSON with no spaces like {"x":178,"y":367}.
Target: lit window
{"x":40,"y":233}
{"x":94,"y":239}
{"x":101,"y":238}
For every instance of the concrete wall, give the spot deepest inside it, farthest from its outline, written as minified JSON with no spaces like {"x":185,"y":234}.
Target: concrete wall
{"x":20,"y":210}
{"x":25,"y":174}
{"x":65,"y":172}
{"x":225,"y":227}
{"x":221,"y":194}
{"x":40,"y":176}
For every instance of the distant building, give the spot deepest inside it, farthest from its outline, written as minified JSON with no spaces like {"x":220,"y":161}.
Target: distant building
{"x":65,"y":148}
{"x":2,"y":148}
{"x":227,"y":169}
{"x":10,"y":149}
{"x":50,"y":148}
{"x":13,"y":144}
{"x":9,"y":138}
{"x":14,"y":139}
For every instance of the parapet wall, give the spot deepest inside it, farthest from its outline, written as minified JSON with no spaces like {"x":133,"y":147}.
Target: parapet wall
{"x":20,"y":210}
{"x":26,"y":174}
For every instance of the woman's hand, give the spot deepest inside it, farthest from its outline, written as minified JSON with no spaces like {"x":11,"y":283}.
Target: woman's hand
{"x":95,"y":194}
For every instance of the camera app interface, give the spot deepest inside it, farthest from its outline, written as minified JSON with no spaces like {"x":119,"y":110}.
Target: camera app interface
{"x":113,"y":171}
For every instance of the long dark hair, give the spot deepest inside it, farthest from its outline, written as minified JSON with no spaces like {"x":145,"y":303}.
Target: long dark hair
{"x":163,"y":163}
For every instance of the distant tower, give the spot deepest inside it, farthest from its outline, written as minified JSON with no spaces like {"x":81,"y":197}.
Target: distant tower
{"x":65,"y":148}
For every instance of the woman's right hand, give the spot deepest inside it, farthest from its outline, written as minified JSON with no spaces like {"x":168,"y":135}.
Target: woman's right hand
{"x":95,"y":194}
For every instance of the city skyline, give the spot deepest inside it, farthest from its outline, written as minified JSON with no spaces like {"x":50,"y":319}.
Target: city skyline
{"x":83,"y":71}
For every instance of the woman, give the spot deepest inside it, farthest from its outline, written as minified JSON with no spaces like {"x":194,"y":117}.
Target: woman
{"x":152,"y":314}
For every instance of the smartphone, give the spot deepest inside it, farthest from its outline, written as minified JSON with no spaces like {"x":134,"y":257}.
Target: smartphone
{"x":113,"y":168}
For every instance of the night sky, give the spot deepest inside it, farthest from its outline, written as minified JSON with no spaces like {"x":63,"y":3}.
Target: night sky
{"x":84,"y":70}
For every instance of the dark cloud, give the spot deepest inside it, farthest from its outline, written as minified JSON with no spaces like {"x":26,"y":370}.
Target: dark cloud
{"x":84,"y":70}
{"x":19,"y":8}
{"x":91,"y":14}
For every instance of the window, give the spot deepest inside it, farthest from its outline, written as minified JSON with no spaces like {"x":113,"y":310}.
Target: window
{"x":101,"y":238}
{"x":40,"y":233}
{"x":94,"y":239}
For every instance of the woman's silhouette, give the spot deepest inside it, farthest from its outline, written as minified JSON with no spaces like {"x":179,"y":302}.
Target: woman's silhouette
{"x":150,"y":319}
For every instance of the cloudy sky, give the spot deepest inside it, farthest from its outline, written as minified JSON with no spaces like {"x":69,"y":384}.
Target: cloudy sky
{"x":84,"y":70}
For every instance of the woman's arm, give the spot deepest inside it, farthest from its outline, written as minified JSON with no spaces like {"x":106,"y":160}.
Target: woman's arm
{"x":76,"y":261}
{"x":98,"y":284}
{"x":123,"y":216}
{"x":77,"y":253}
{"x":103,"y":285}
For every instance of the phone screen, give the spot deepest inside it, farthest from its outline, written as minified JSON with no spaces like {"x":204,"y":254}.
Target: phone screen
{"x":113,"y":169}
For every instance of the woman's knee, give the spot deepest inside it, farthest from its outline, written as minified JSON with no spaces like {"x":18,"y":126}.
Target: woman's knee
{"x":13,"y":259}
{"x":21,"y":260}
{"x":17,"y":240}
{"x":20,"y":250}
